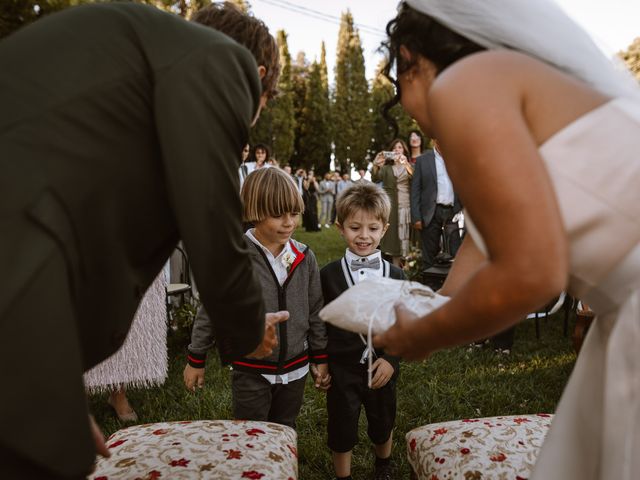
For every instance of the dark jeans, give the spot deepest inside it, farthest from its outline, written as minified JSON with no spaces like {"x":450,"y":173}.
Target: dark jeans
{"x":433,"y":233}
{"x":254,"y":398}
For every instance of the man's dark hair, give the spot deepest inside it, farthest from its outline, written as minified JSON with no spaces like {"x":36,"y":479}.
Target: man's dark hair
{"x":248,"y":31}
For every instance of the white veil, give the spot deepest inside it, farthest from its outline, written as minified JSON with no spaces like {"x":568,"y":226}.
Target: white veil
{"x":539,"y":28}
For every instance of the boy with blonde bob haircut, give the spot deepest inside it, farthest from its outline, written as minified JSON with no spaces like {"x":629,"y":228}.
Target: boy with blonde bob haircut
{"x":362,"y":216}
{"x":271,"y":388}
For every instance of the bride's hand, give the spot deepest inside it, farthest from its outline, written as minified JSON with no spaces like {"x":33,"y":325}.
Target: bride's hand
{"x":401,"y":339}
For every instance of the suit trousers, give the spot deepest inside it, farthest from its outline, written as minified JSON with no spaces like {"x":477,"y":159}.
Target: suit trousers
{"x":44,"y":415}
{"x":432,"y":234}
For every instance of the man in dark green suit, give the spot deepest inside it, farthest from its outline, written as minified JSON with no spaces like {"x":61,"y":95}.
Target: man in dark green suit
{"x":121,"y":128}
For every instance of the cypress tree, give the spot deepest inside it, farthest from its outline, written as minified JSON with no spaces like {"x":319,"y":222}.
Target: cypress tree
{"x":299,"y":74}
{"x":315,"y":138}
{"x":381,"y":92}
{"x":352,"y":120}
{"x":276,"y":126}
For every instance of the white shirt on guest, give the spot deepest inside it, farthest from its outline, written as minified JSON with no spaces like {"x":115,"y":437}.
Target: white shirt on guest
{"x":280,"y":270}
{"x":364,"y":273}
{"x":445,"y":188}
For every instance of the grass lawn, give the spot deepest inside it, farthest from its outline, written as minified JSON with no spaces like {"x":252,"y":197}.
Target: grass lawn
{"x":452,"y":384}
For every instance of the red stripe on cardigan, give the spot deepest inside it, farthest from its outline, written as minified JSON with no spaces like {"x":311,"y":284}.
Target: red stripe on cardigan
{"x":306,"y":357}
{"x":255,"y":366}
{"x":299,"y":257}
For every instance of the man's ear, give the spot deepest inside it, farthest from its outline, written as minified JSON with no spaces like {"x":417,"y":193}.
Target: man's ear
{"x":262,"y":71}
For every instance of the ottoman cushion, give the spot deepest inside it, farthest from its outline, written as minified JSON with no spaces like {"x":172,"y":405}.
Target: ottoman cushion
{"x":480,"y":448}
{"x":203,"y":449}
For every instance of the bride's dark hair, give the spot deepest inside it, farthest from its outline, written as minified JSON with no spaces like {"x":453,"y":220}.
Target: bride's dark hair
{"x":423,"y":35}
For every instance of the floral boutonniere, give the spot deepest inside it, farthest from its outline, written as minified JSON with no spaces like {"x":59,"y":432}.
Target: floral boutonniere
{"x":287,"y":260}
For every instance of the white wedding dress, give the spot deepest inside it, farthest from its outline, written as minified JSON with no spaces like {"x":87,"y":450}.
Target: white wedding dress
{"x":594,"y":164}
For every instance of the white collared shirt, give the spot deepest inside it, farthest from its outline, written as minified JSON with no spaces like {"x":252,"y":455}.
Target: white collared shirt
{"x":445,"y":188}
{"x":280,"y":269}
{"x":277,"y":263}
{"x":364,"y":273}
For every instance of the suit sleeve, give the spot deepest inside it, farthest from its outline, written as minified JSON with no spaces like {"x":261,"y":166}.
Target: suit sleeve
{"x":317,"y":328}
{"x":416,"y":192}
{"x":204,"y":105}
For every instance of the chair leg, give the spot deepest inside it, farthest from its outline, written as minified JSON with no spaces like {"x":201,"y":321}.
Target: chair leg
{"x":565,"y":325}
{"x":537,"y":327}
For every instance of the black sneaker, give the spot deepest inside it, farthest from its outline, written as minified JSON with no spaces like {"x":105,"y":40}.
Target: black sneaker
{"x":383,"y":472}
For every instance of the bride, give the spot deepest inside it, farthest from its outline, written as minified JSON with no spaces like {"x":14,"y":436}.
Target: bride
{"x":541,"y":136}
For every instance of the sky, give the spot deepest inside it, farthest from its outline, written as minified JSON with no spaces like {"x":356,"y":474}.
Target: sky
{"x":614,"y":24}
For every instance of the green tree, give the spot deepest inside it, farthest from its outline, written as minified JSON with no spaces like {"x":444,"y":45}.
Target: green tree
{"x":299,"y":75}
{"x":631,"y":58}
{"x":381,"y":92}
{"x":276,"y":126}
{"x":352,"y":121}
{"x":314,"y":125}
{"x":17,"y":13}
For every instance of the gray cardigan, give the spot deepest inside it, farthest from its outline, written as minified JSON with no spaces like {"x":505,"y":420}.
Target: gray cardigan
{"x":302,"y":338}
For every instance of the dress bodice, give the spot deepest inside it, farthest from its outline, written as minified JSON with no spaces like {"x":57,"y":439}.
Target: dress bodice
{"x":594,"y":166}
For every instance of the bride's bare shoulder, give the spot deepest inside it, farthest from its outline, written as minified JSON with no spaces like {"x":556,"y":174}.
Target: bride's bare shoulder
{"x":499,"y":68}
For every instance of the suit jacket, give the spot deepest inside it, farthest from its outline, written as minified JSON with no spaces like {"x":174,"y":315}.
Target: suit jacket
{"x":424,"y":189}
{"x":120,"y":133}
{"x":344,"y":346}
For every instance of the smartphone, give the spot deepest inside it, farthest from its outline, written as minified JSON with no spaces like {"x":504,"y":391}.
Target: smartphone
{"x":389,"y":157}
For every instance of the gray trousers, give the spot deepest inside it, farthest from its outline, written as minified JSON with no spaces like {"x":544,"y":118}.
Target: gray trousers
{"x":254,"y":398}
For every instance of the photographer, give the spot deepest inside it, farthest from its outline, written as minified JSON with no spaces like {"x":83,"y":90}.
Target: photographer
{"x":394,"y":171}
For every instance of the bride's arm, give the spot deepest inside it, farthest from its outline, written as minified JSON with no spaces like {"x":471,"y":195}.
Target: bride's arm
{"x":494,"y":164}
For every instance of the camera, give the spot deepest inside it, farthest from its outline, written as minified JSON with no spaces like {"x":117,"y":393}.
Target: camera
{"x":389,"y":157}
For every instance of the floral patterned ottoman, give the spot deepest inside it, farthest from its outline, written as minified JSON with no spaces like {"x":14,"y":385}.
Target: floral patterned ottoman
{"x":497,"y":448}
{"x":204,"y":449}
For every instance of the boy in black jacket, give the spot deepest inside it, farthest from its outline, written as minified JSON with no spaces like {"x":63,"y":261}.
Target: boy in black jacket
{"x":362,"y":218}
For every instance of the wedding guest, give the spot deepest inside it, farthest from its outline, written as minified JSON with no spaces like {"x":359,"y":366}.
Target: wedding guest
{"x":142,"y":116}
{"x":299,"y":178}
{"x":362,"y":218}
{"x":327,"y":191}
{"x":434,"y":204}
{"x":363,"y":173}
{"x":271,"y":389}
{"x":395,"y":174}
{"x":142,"y":359}
{"x":246,"y":167}
{"x":344,"y":183}
{"x":310,"y":195}
{"x":416,"y":146}
{"x":261,"y":155}
{"x":526,"y":109}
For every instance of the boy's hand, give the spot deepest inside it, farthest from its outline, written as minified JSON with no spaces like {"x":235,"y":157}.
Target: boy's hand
{"x":270,"y":339}
{"x":382,"y":373}
{"x":193,"y":377}
{"x":321,"y":376}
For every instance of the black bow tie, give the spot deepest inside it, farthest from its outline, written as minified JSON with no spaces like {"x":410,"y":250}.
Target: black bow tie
{"x":365,"y":263}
